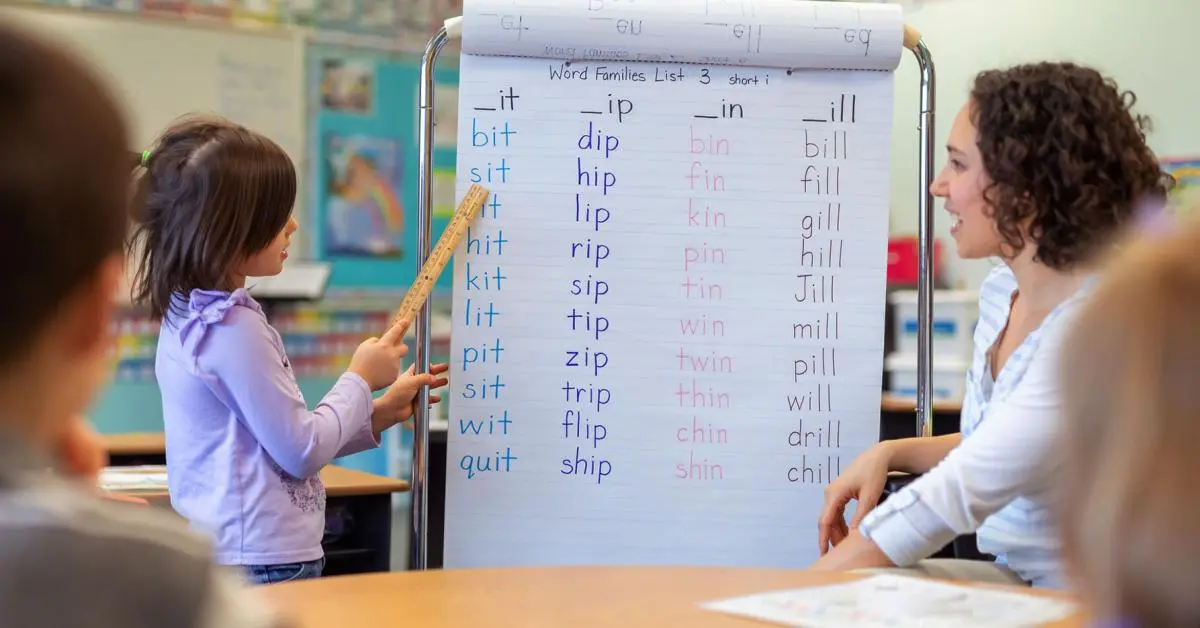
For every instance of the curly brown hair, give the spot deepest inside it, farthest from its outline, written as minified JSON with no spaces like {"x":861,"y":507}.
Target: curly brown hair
{"x":1066,"y":156}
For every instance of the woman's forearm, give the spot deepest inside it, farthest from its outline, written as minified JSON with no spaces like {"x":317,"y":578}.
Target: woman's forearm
{"x":919,"y":455}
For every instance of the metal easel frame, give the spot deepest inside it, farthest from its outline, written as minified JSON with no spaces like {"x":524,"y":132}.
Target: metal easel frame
{"x":418,"y":553}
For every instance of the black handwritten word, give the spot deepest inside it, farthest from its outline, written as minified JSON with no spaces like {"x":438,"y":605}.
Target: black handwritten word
{"x":837,"y":111}
{"x":823,"y":184}
{"x":825,"y":327}
{"x":508,"y":101}
{"x":827,"y":434}
{"x":830,"y":219}
{"x":816,"y":399}
{"x":823,"y":364}
{"x":815,"y":289}
{"x":815,"y":470}
{"x":729,"y":110}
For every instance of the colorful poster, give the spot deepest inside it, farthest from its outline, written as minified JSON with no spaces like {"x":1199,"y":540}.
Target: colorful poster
{"x":364,"y":216}
{"x":364,"y":165}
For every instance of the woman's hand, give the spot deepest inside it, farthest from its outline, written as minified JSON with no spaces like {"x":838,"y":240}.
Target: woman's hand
{"x":864,"y":481}
{"x":396,"y":405}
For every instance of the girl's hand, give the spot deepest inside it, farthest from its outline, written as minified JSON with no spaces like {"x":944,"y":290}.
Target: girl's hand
{"x":396,"y":405}
{"x":864,"y":481}
{"x":377,"y":360}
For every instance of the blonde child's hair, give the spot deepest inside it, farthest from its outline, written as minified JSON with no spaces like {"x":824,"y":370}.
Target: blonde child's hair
{"x":1130,"y":501}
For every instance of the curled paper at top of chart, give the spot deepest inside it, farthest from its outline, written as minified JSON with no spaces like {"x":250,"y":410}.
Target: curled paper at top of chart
{"x":790,"y":34}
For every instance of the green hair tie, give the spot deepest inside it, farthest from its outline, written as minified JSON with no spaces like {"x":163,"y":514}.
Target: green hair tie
{"x":145,"y":158}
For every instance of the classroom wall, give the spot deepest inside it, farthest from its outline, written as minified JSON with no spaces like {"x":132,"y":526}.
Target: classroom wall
{"x":1147,"y":47}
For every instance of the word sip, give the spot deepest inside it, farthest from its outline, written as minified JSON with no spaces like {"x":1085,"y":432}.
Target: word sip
{"x":596,"y":397}
{"x":471,"y":355}
{"x":594,"y":360}
{"x":595,"y":252}
{"x":474,"y":465}
{"x":594,"y":177}
{"x":575,"y":425}
{"x":587,"y":466}
{"x":584,"y":212}
{"x":596,"y":325}
{"x":596,"y":139}
{"x":594,"y":288}
{"x":619,"y":107}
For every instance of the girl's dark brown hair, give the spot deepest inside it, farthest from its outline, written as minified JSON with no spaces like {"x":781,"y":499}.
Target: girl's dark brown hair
{"x":1131,"y":424}
{"x":211,"y":194}
{"x":1066,"y":156}
{"x":63,"y":183}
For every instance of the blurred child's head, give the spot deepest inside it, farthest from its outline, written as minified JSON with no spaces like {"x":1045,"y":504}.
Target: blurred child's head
{"x":1130,"y":506}
{"x":64,"y":177}
{"x":214,"y":206}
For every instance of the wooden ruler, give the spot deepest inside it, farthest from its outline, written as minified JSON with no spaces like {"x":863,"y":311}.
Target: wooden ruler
{"x":453,"y":235}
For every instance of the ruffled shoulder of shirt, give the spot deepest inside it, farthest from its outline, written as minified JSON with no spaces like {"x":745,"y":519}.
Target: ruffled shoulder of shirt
{"x":212,"y":306}
{"x":205,"y":311}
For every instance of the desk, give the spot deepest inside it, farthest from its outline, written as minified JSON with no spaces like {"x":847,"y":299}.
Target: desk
{"x":358,"y":510}
{"x":579,"y":597}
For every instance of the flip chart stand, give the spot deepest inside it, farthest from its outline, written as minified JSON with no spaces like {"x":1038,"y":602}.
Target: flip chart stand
{"x":452,"y":29}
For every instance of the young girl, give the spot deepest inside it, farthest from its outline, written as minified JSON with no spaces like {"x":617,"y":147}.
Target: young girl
{"x":1131,"y":414}
{"x":243,"y":449}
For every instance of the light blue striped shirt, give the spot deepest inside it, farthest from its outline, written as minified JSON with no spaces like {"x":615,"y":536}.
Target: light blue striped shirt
{"x":998,"y":482}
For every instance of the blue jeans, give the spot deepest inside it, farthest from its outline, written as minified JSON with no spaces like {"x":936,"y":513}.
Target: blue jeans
{"x":275,"y":574}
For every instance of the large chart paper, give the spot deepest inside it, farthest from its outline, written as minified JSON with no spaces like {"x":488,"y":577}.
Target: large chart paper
{"x":669,"y":317}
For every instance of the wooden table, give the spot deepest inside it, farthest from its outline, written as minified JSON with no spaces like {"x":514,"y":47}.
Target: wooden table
{"x":578,"y":597}
{"x":358,"y":510}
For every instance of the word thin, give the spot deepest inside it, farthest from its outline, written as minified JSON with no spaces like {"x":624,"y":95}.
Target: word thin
{"x":668,"y":315}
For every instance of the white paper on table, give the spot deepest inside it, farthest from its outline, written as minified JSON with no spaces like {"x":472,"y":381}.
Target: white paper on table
{"x":896,"y":602}
{"x":150,"y":477}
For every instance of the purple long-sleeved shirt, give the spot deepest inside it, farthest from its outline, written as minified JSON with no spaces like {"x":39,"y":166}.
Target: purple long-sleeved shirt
{"x":243,"y":449}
